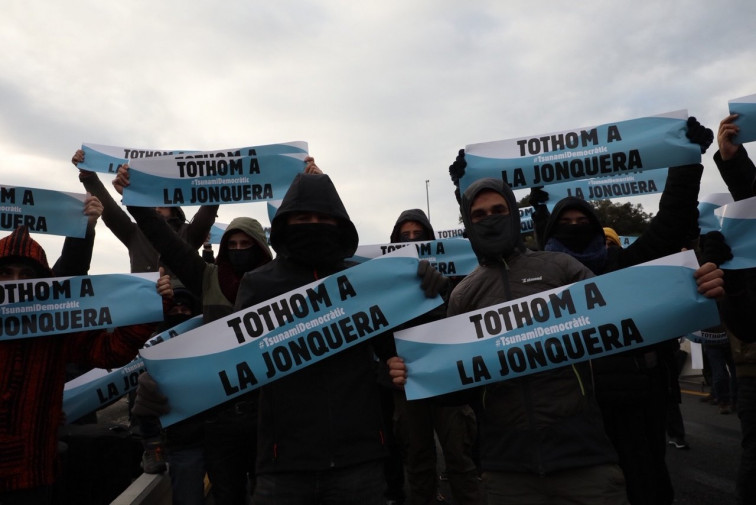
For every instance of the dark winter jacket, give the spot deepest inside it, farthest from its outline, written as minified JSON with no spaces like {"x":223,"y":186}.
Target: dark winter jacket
{"x":326,"y":415}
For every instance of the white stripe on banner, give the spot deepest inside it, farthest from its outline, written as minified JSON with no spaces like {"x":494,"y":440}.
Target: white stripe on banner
{"x":596,"y":151}
{"x":234,"y":355}
{"x":745,"y":108}
{"x":603,"y":315}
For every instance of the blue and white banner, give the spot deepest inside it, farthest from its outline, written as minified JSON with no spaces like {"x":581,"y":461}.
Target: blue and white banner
{"x":737,"y":222}
{"x":745,"y":108}
{"x":598,"y":151}
{"x":107,"y":159}
{"x":600,"y":316}
{"x":43,"y":211}
{"x":708,"y":337}
{"x":450,"y":233}
{"x":648,"y":182}
{"x":626,"y":240}
{"x":707,"y":221}
{"x":99,"y":387}
{"x":241,"y":352}
{"x":43,"y":307}
{"x":451,"y":257}
{"x":220,"y":177}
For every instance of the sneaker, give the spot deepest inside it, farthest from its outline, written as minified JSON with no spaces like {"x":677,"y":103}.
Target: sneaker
{"x":679,"y":443}
{"x":153,"y":460}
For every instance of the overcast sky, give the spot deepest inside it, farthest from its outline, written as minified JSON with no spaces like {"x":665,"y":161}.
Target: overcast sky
{"x":385,"y":93}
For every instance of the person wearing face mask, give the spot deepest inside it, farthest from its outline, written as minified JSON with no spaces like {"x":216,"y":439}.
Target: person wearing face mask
{"x":541,"y":439}
{"x":416,"y":421}
{"x":320,"y":431}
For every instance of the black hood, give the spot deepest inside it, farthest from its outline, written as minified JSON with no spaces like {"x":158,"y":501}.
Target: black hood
{"x":419,"y":217}
{"x":476,"y":241}
{"x":568,"y":203}
{"x":313,"y":193}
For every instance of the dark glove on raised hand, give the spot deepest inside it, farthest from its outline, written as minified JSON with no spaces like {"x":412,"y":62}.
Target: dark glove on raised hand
{"x":538,"y":196}
{"x":433,"y":282}
{"x":699,"y":134}
{"x":714,"y":248}
{"x":149,"y":402}
{"x":457,"y":171}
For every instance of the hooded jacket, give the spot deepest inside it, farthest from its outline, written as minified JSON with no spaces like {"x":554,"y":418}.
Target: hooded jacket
{"x":32,"y":376}
{"x":417,"y":216}
{"x":543,"y":422}
{"x":326,"y":415}
{"x":201,"y":278}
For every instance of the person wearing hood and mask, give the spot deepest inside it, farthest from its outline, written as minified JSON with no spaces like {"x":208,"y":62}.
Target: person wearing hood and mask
{"x":416,"y":421}
{"x":32,"y":376}
{"x":320,"y":435}
{"x":542,"y":438}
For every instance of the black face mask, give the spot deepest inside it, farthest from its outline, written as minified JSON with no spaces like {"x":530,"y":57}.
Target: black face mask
{"x":494,"y":237}
{"x":314,"y":243}
{"x":244,"y":260}
{"x":575,"y":237}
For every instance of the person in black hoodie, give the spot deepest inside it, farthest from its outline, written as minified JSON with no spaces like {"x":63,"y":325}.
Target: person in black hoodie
{"x":320,"y":435}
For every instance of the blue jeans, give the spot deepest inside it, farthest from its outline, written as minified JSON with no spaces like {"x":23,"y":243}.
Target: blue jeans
{"x":187,"y":470}
{"x":361,"y":484}
{"x":722,"y":367}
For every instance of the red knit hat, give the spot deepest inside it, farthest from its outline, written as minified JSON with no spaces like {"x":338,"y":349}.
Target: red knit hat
{"x":20,"y":246}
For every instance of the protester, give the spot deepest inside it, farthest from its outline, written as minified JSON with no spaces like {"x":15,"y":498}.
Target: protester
{"x":416,"y":421}
{"x":143,"y":257}
{"x":225,"y":436}
{"x":320,"y":438}
{"x":32,"y":375}
{"x":739,"y":173}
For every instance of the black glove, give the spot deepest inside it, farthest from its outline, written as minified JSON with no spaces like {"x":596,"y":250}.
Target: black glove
{"x":714,"y":249}
{"x":538,"y":196}
{"x":149,"y":402}
{"x":433,"y":282}
{"x":457,"y":171}
{"x":699,"y":134}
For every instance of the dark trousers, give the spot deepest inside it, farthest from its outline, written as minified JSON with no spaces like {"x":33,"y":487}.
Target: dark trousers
{"x":745,"y":483}
{"x":230,"y":449}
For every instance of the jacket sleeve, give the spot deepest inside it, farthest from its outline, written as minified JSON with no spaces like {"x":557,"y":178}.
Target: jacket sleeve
{"x":739,"y":173}
{"x":196,"y":232}
{"x":669,"y":228}
{"x":176,"y":254}
{"x":102,"y":349}
{"x":114,"y":217}
{"x":76,"y":255}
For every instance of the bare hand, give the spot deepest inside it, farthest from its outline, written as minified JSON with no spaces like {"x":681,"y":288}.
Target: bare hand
{"x":163,"y":285}
{"x":78,"y":157}
{"x":710,"y":280}
{"x":311,"y":167}
{"x":397,"y":371}
{"x":92,"y":209}
{"x":122,"y":178}
{"x":727,"y":130}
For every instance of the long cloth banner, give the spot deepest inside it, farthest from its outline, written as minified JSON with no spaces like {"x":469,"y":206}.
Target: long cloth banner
{"x":600,"y":316}
{"x":707,"y":220}
{"x":107,"y":159}
{"x":42,"y":307}
{"x":451,"y":257}
{"x":648,"y":182}
{"x":43,"y":211}
{"x":234,"y":355}
{"x":220,"y":177}
{"x":745,"y":107}
{"x":99,"y":387}
{"x":598,"y":151}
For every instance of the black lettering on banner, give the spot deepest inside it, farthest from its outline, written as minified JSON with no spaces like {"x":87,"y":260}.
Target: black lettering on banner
{"x":86,"y":288}
{"x":557,"y":142}
{"x":345,"y":288}
{"x":7,"y":195}
{"x":28,"y":197}
{"x":424,"y":249}
{"x":593,"y":296}
{"x":55,"y":322}
{"x":331,"y":337}
{"x":245,"y":379}
{"x":112,"y":393}
{"x":224,"y":194}
{"x":479,"y":371}
{"x":518,"y":178}
{"x":613,"y":134}
{"x":445,"y":268}
{"x":178,"y":197}
{"x":11,"y":221}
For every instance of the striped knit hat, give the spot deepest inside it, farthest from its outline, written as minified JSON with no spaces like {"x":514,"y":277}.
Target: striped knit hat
{"x":19,"y":246}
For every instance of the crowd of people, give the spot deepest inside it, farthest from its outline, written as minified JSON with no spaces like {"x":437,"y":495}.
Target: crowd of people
{"x":342,"y":430}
